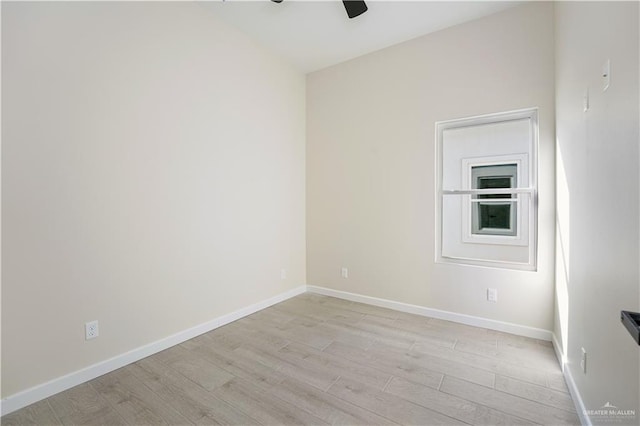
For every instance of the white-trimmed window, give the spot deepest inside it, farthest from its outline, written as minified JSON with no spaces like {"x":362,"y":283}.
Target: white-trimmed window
{"x":486,"y":188}
{"x":494,"y":214}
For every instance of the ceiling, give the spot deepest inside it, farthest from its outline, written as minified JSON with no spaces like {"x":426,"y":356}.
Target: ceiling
{"x":316,"y":34}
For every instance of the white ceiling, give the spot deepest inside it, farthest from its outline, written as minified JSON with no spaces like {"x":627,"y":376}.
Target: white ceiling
{"x":316,"y":34}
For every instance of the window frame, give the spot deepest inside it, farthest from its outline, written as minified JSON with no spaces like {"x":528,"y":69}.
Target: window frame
{"x":527,"y":165}
{"x":480,"y":203}
{"x":522,"y":169}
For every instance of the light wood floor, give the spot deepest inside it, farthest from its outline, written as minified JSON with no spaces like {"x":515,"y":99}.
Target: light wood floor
{"x":320,"y":360}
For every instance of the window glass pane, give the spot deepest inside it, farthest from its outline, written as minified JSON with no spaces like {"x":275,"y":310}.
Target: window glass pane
{"x":494,"y":218}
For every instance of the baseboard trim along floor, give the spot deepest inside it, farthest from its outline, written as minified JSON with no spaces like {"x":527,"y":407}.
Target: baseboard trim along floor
{"x":316,"y":359}
{"x":575,"y":395}
{"x":45,"y":390}
{"x":521,"y":330}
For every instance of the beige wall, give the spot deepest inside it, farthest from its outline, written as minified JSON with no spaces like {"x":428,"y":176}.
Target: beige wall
{"x":370,"y":163}
{"x":598,"y":199}
{"x":152,"y":179}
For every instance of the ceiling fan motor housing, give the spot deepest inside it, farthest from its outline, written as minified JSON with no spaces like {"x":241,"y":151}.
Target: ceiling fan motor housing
{"x":353,"y":7}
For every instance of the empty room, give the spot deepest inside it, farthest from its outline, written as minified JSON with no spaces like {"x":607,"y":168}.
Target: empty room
{"x":320,"y":212}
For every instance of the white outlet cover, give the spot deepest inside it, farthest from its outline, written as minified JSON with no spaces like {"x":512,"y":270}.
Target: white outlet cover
{"x":91,"y":330}
{"x":283,"y":274}
{"x":345,"y":273}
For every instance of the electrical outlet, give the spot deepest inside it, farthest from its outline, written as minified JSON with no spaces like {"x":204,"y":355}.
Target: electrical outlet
{"x":492,"y":294}
{"x":583,"y":361}
{"x":345,"y":273}
{"x":91,"y":330}
{"x":283,"y":274}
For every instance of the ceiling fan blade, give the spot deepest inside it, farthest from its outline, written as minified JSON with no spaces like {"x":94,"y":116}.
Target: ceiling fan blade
{"x":355,"y":8}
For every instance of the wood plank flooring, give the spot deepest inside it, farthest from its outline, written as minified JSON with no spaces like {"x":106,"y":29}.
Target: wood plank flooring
{"x":317,"y":360}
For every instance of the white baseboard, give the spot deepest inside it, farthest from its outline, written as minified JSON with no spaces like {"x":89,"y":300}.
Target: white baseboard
{"x":577,"y":399}
{"x":45,"y":390}
{"x":521,"y":330}
{"x":571,"y":385}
